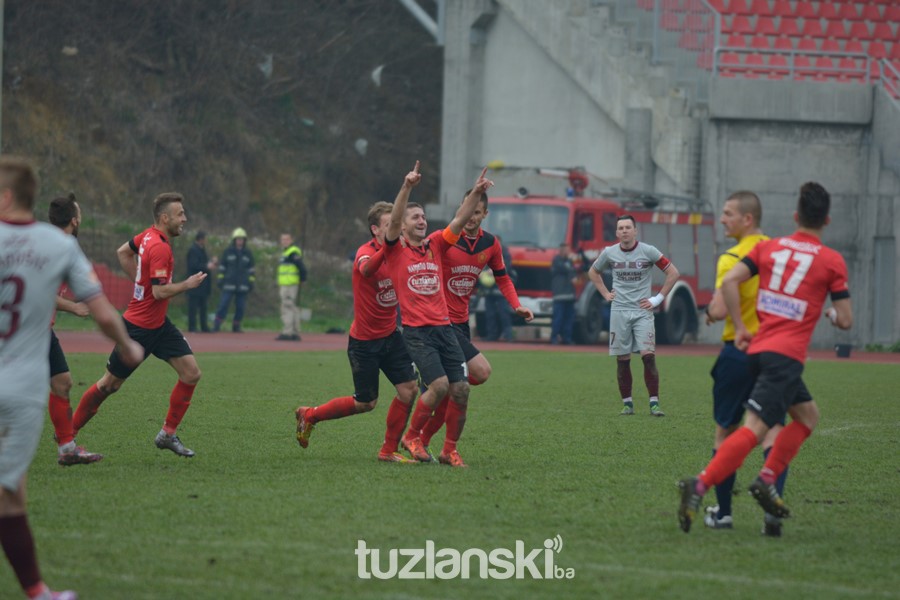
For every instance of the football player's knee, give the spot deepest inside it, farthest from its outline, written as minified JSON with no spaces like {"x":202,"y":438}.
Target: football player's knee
{"x":406,"y":392}
{"x":459,"y":393}
{"x":362,"y":407}
{"x":61,"y":385}
{"x":192,"y":377}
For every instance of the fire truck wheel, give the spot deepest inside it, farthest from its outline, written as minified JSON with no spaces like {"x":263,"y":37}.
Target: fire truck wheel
{"x":673,"y":325}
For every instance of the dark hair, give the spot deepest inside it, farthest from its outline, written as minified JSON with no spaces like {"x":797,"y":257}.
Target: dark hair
{"x":17,"y":175}
{"x":813,"y":205}
{"x":376,"y":211}
{"x":62,"y":210}
{"x":629,"y":217}
{"x":749,"y":204}
{"x":201,"y":235}
{"x":415,"y":205}
{"x":483,"y":199}
{"x":161,"y":203}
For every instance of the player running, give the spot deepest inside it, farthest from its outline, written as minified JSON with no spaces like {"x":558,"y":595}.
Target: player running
{"x":463,"y":263}
{"x":148,"y":260}
{"x":374,"y":344}
{"x":796,"y":274}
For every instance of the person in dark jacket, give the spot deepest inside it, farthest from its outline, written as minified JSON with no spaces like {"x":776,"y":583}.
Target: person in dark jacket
{"x":497,"y":312}
{"x":236,"y":278}
{"x":198,"y":261}
{"x":563,"y":277}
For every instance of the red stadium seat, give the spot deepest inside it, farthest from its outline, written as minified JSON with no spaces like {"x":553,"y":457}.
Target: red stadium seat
{"x":854,"y":46}
{"x":696,"y":22}
{"x":765,"y":26}
{"x":673,"y":5}
{"x":860,"y":30}
{"x":871,"y":12}
{"x":802,"y":67}
{"x":718,"y":6}
{"x":741,"y":24}
{"x":808,"y":44}
{"x":824,"y":67}
{"x":805,"y":10}
{"x":827,"y":10}
{"x":831,"y":45}
{"x":849,"y":11}
{"x":788,"y":26}
{"x":877,"y":50}
{"x":836,"y":30}
{"x":778,"y":66}
{"x":812,"y":28}
{"x":895,"y":51}
{"x":850,"y":70}
{"x":892,"y":13}
{"x":740,"y":7}
{"x":782,"y":8}
{"x":689,"y":40}
{"x":759,"y":42}
{"x":735,"y":41}
{"x":645,"y":4}
{"x":669,"y":21}
{"x":761,"y":8}
{"x":704,"y":60}
{"x":883,"y":32}
{"x":784,"y":43}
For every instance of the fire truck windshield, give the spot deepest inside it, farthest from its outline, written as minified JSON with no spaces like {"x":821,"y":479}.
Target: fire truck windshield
{"x":534,"y":225}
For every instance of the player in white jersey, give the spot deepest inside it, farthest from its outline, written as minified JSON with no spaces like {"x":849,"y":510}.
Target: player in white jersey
{"x":631,"y":317}
{"x":35,"y":259}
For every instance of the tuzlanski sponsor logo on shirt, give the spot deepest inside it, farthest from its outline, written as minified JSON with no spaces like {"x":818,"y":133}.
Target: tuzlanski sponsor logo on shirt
{"x":781,"y":306}
{"x":461,"y":285}
{"x":386,"y":296}
{"x":426,"y":284}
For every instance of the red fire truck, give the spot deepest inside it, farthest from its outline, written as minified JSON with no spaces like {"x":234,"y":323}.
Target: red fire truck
{"x":532,"y":227}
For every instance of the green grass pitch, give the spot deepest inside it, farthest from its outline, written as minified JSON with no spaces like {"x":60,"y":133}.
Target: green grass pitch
{"x":255,"y":516}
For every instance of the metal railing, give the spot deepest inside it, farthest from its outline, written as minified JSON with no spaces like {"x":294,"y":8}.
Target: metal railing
{"x":798,"y":64}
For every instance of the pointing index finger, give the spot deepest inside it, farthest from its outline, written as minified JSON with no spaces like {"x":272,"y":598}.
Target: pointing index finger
{"x":416,"y":168}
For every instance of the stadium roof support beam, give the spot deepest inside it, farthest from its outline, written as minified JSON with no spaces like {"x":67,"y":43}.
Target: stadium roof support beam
{"x":435,"y":28}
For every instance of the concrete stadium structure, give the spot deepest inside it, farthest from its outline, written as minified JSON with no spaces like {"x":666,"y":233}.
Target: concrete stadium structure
{"x":552,"y":83}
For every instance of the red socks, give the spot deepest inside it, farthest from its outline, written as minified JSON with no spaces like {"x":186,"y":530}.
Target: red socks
{"x":61,"y":417}
{"x":88,"y":406}
{"x":398,"y":415}
{"x":18,"y":545}
{"x":335,"y":408}
{"x":729,"y":457}
{"x":419,"y":417}
{"x":787,"y":444}
{"x":179,"y":401}
{"x":436,"y":421}
{"x":456,"y":421}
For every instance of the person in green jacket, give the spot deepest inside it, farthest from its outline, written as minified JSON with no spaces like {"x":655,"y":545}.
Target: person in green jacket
{"x":291,"y":273}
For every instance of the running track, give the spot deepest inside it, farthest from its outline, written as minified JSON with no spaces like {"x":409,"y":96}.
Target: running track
{"x":255,"y":341}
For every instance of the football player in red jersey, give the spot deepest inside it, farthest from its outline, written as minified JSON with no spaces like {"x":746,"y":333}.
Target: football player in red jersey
{"x":414,"y":263}
{"x":147,"y":258}
{"x":374,"y":345}
{"x":796,"y":274}
{"x":463,"y":263}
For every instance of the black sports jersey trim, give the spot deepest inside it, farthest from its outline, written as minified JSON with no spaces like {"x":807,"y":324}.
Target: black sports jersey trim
{"x":754,"y":270}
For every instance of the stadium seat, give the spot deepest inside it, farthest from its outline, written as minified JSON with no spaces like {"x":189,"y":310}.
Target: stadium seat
{"x":782,"y":8}
{"x":778,"y":66}
{"x":827,"y":10}
{"x":704,"y":60}
{"x":849,"y":11}
{"x":740,"y":7}
{"x":877,"y":50}
{"x":645,"y":4}
{"x":851,"y":70}
{"x":669,"y":21}
{"x":824,"y":68}
{"x":741,"y":24}
{"x":836,"y":30}
{"x":718,"y":6}
{"x":673,"y":5}
{"x":805,"y":10}
{"x":883,"y":32}
{"x":765,"y":26}
{"x":689,"y":40}
{"x":696,"y":22}
{"x":812,"y":28}
{"x":729,"y":64}
{"x":860,"y":30}
{"x":735,"y":41}
{"x":808,"y":44}
{"x":892,"y":13}
{"x":788,"y":26}
{"x":784,"y":43}
{"x":871,"y":12}
{"x":802,"y":67}
{"x":831,"y":45}
{"x":755,"y":66}
{"x":761,"y":8}
{"x":759,"y":42}
{"x":854,"y":46}
{"x":895,"y":51}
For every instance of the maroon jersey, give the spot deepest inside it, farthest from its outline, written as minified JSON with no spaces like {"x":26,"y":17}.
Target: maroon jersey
{"x":416,"y":273}
{"x":463,"y":262}
{"x":796,"y":274}
{"x":155,"y":265}
{"x":374,"y":298}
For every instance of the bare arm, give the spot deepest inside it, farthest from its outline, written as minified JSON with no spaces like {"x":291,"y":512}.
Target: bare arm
{"x":126,"y":258}
{"x":732,"y":296}
{"x":842,"y":317}
{"x":411,"y":180}
{"x":161,"y":292}
{"x":113,"y":327}
{"x":470,"y":203}
{"x":597,"y":279}
{"x":716,"y":310}
{"x":78,"y":309}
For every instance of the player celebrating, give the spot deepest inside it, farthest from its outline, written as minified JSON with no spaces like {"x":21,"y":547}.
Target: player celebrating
{"x":374,"y":344}
{"x":796,"y":273}
{"x":631,"y":326}
{"x":35,"y":259}
{"x":414,"y":262}
{"x":147,"y":258}
{"x":463,"y":263}
{"x":65,"y":213}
